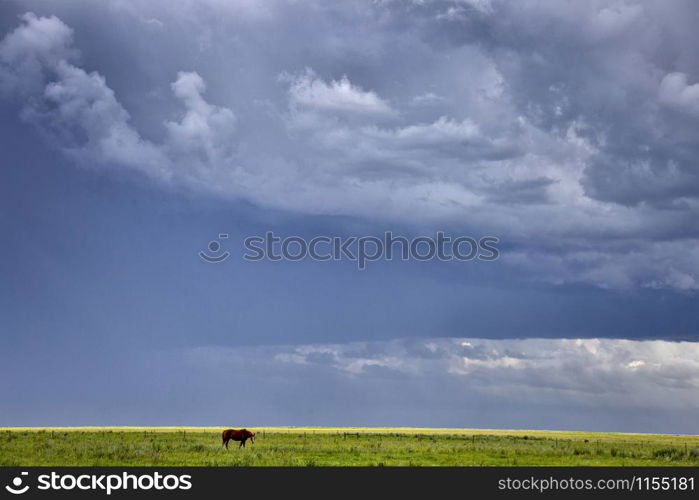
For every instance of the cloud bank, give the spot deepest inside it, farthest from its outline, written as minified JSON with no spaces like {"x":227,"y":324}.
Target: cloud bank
{"x":537,"y":383}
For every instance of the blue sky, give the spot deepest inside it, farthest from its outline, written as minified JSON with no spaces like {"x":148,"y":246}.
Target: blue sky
{"x":133,"y":134}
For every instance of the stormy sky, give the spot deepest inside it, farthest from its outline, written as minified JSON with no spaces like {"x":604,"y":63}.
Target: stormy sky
{"x":133,"y":133}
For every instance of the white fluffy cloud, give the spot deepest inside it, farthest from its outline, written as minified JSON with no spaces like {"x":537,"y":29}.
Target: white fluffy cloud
{"x":677,"y":93}
{"x":205,"y":135}
{"x":565,"y":366}
{"x":309,"y":91}
{"x":34,"y":48}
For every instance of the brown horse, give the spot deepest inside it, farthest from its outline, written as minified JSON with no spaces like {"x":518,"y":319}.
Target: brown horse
{"x":242,"y":435}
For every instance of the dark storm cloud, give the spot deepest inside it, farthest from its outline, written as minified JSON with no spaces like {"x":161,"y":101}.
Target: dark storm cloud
{"x":568,"y":130}
{"x":622,"y":70}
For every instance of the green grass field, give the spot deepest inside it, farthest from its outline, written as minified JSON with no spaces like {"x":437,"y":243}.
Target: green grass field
{"x":284,"y":446}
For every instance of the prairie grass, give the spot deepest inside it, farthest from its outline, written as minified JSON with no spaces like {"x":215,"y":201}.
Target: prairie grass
{"x":299,"y":446}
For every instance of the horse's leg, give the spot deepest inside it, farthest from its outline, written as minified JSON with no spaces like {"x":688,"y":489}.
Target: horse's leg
{"x":242,"y":444}
{"x":226,"y":443}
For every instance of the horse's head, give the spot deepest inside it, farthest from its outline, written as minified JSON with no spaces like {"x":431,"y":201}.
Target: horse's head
{"x":252,"y":437}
